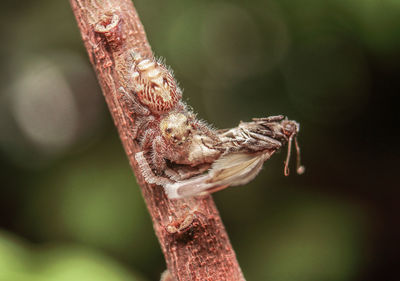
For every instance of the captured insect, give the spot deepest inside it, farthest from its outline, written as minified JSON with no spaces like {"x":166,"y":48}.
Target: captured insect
{"x":184,"y":154}
{"x":247,"y":147}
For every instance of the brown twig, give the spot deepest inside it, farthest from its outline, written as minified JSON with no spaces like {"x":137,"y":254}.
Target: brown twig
{"x":190,"y":231}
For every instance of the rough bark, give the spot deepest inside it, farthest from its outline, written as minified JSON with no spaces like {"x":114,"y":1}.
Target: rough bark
{"x":190,"y":231}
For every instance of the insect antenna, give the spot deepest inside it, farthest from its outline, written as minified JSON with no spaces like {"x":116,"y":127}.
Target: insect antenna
{"x":300,"y":169}
{"x":286,"y":169}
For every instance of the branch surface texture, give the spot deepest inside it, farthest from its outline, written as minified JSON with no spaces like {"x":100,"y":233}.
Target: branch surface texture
{"x":190,"y":231}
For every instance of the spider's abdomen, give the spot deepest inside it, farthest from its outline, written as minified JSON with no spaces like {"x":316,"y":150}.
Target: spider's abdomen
{"x":154,"y":85}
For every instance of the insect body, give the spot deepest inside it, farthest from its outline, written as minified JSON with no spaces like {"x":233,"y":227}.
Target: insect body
{"x":247,"y":147}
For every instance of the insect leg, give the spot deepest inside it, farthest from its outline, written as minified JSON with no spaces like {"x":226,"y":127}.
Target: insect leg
{"x":270,"y":119}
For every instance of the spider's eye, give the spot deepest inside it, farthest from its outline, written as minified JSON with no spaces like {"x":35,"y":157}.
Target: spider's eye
{"x":168,"y":130}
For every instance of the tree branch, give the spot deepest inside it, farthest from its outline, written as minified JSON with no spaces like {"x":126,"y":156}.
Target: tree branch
{"x":190,"y":231}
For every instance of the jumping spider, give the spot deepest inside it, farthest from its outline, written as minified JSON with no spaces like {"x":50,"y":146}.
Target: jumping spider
{"x":166,"y":130}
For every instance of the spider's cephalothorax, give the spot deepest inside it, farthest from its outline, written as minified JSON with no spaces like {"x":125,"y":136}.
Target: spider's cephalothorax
{"x":189,"y":139}
{"x":176,"y":129}
{"x":179,"y":138}
{"x":153,"y":84}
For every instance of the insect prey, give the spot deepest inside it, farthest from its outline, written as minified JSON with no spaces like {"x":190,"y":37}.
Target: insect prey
{"x":247,"y":147}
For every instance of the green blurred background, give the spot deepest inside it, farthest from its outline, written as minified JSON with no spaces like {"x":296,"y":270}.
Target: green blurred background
{"x":70,"y":208}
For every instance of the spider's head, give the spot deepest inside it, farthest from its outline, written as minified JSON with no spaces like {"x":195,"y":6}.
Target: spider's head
{"x":176,"y":128}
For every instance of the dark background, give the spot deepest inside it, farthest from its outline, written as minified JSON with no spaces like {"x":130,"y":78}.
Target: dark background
{"x":70,"y":208}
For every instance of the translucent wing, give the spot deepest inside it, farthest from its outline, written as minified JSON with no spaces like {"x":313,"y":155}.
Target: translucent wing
{"x":230,"y":170}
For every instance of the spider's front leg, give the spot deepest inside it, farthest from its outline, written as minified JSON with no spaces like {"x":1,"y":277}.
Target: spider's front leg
{"x":135,"y":104}
{"x":153,"y":144}
{"x":147,"y":172}
{"x":139,"y":115}
{"x":159,"y":153}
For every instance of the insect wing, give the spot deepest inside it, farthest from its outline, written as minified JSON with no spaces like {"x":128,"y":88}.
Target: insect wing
{"x":230,"y":170}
